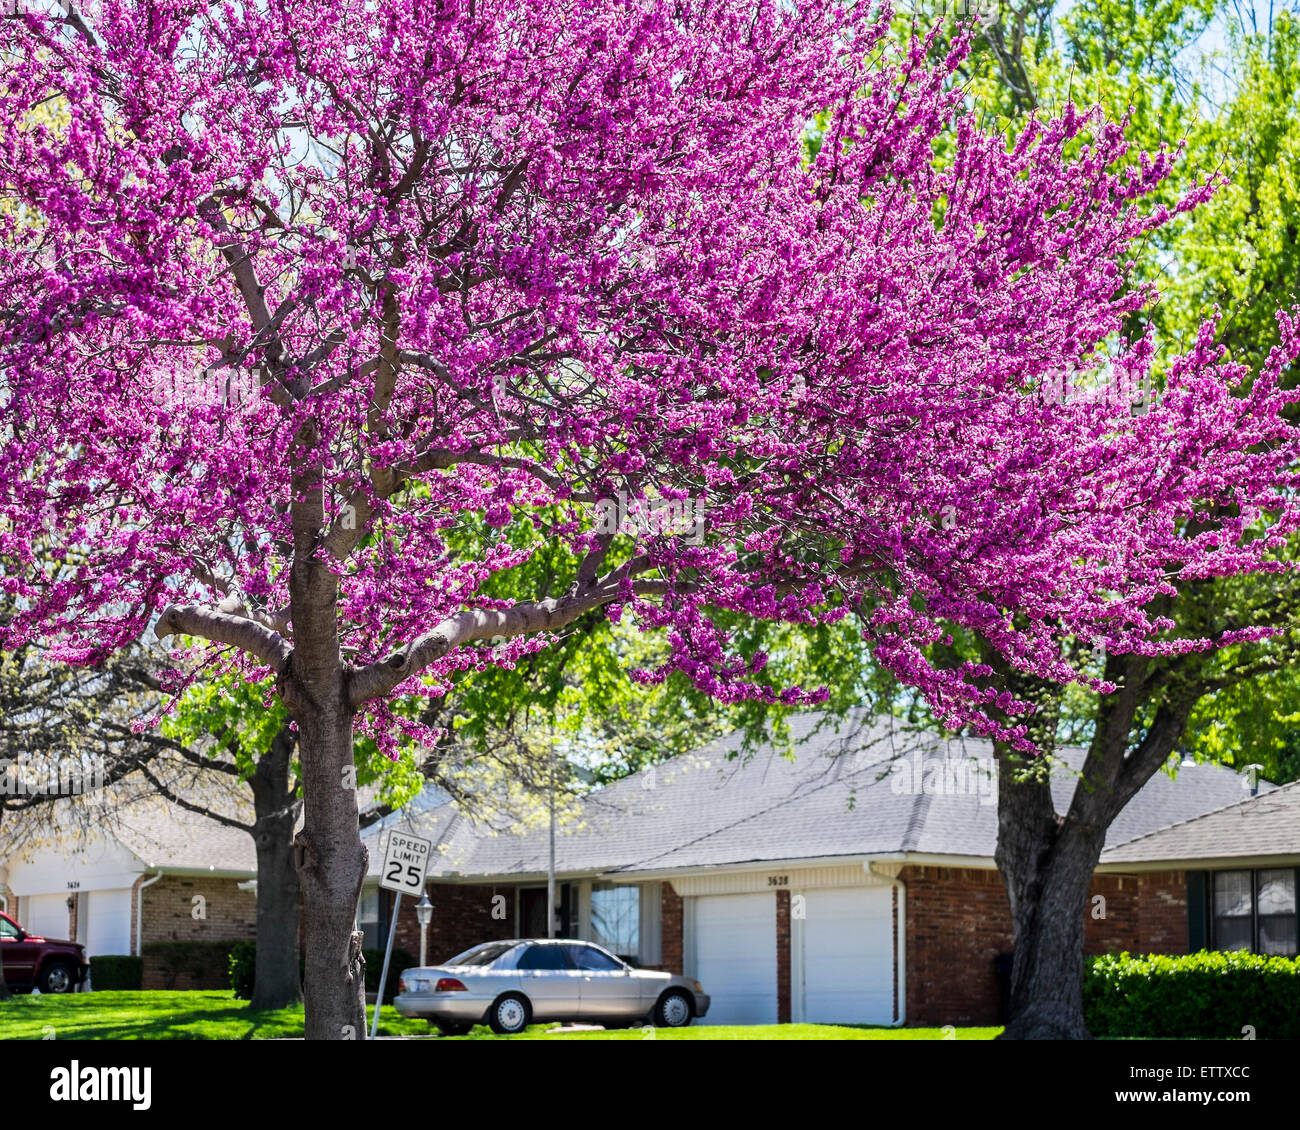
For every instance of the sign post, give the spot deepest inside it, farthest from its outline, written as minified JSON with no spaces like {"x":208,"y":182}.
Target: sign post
{"x":406,"y":862}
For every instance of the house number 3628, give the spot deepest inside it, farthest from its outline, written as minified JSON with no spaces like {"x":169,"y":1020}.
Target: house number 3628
{"x":778,"y":880}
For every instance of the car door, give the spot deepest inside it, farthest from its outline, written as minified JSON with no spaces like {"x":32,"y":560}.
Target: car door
{"x":609,"y":990}
{"x":549,"y":981}
{"x":19,"y":956}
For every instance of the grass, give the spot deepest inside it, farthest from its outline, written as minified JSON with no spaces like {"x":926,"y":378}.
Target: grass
{"x":198,"y":1015}
{"x":219,"y":1016}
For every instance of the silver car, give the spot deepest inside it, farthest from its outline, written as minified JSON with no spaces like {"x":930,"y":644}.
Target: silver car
{"x":510,"y":985}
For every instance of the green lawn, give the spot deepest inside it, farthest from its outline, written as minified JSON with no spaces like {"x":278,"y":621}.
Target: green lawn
{"x":161,"y":1016}
{"x":218,"y":1016}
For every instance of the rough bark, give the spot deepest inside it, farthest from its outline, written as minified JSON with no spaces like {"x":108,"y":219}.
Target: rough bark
{"x":277,"y":980}
{"x":1047,"y":860}
{"x":1047,"y":867}
{"x":330,"y":857}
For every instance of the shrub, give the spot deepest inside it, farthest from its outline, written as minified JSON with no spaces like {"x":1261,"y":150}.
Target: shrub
{"x":206,"y":962}
{"x":115,"y":971}
{"x":402,"y":959}
{"x":242,"y":969}
{"x":242,"y":966}
{"x":1206,"y":995}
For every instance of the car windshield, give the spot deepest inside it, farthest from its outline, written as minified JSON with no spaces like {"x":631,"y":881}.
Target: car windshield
{"x":484,"y":954}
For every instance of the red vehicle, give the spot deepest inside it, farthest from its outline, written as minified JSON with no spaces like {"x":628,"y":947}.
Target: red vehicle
{"x":48,"y":964}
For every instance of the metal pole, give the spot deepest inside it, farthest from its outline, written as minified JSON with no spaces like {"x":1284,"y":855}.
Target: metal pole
{"x":550,"y":870}
{"x":424,"y":945}
{"x":388,"y":953}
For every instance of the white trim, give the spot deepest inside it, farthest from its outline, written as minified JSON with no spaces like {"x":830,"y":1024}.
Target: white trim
{"x":797,"y":987}
{"x":1220,"y":863}
{"x":754,"y":881}
{"x":900,"y":935}
{"x":689,"y":965}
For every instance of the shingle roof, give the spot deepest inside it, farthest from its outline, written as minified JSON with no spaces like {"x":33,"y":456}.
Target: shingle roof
{"x":1259,"y":826}
{"x":839,"y":796}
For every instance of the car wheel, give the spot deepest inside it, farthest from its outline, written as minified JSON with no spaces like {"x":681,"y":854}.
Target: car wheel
{"x":674,"y":1010}
{"x":509,"y":1015}
{"x":57,"y":977}
{"x":450,"y":1028}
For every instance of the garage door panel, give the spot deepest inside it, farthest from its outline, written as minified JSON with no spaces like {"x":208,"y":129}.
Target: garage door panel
{"x":46,"y":915}
{"x":848,"y":953}
{"x":108,"y":930}
{"x":735,"y":957}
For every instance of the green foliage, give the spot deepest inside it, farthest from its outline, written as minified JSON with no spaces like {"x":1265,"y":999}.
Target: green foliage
{"x":242,"y":967}
{"x":110,"y":971}
{"x":1206,"y":995}
{"x":207,"y":962}
{"x":401,"y":960}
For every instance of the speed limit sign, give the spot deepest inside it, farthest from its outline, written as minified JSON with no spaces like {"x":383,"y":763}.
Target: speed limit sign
{"x":406,"y":860}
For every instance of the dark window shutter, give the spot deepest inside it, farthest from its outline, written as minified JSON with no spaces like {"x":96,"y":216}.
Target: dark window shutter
{"x":1197,"y":907}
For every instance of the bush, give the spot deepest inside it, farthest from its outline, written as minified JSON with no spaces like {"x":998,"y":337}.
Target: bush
{"x":207,"y":963}
{"x":115,"y":971}
{"x":401,"y":960}
{"x":242,"y":967}
{"x":1206,"y":995}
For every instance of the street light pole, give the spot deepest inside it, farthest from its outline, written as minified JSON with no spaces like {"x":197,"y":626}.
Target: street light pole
{"x":550,"y":869}
{"x":424,"y":915}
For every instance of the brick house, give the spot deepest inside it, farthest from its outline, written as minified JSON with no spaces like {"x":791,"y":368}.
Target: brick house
{"x":155,"y":874}
{"x":851,"y":882}
{"x":854,"y":882}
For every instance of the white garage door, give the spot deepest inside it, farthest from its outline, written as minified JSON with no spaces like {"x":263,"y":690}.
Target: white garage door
{"x":735,"y":957}
{"x":848,"y":957}
{"x":108,"y":925}
{"x":46,"y":915}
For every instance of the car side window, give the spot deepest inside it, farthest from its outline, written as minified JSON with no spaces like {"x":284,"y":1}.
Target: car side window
{"x":593,"y":960}
{"x":8,"y":929}
{"x":544,"y":957}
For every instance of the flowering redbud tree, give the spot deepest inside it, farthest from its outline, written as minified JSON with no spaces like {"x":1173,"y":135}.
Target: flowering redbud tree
{"x":317,"y":317}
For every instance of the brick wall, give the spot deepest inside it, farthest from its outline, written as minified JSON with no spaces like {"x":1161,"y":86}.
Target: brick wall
{"x":783,"y":957}
{"x":463,"y":916}
{"x":1162,"y":923}
{"x":958,"y":921}
{"x":169,"y":915}
{"x":670,"y":926}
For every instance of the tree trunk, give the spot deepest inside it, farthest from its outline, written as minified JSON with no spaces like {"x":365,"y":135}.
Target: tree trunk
{"x":277,"y":980}
{"x":5,"y":991}
{"x":328,"y":852}
{"x":1047,"y":867}
{"x":332,"y":864}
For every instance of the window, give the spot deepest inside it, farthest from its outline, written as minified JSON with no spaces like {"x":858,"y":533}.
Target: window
{"x":484,"y":954}
{"x":616,"y":919}
{"x":1255,"y":910}
{"x":544,"y":957}
{"x":7,"y":929}
{"x":1276,"y":911}
{"x":593,"y":960}
{"x":368,"y":917}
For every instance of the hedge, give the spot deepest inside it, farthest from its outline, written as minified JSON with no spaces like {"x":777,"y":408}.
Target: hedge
{"x":402,"y":959}
{"x":243,"y":969}
{"x":112,"y":971}
{"x":207,"y":962}
{"x":1206,"y":995}
{"x":243,"y":959}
